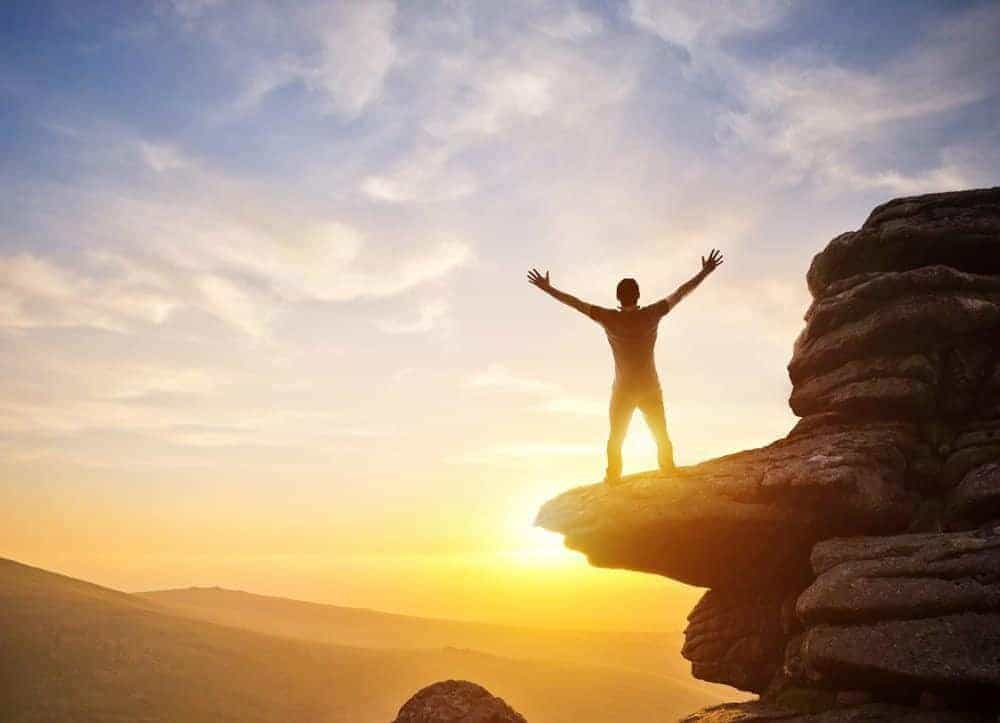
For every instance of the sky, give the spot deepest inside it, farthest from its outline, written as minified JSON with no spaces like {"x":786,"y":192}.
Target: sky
{"x":264,"y":320}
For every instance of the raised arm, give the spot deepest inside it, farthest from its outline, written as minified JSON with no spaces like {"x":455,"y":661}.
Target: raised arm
{"x":542,"y":282}
{"x":708,"y":265}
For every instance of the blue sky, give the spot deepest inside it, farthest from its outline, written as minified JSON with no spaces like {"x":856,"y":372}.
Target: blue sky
{"x":268,"y":258}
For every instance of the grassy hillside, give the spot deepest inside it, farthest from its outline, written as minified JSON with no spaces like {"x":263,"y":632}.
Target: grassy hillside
{"x":76,"y":651}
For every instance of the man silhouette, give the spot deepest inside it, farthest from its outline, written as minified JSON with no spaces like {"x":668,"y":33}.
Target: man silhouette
{"x":631,"y":331}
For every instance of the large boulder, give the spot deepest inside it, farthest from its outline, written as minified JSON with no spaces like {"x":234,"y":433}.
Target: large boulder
{"x":958,"y":229}
{"x":918,"y":311}
{"x":954,"y":656}
{"x":738,"y":638}
{"x":906,"y":614}
{"x":871,"y":579}
{"x":456,"y":701}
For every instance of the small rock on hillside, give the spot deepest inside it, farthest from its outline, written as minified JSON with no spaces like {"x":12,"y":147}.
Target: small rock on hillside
{"x":456,"y":701}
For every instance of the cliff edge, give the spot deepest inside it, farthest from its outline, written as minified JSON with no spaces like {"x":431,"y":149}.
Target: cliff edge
{"x":853,"y":567}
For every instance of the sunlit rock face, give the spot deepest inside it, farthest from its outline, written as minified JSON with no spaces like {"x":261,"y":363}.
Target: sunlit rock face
{"x":456,"y":701}
{"x":750,"y":517}
{"x":856,"y":562}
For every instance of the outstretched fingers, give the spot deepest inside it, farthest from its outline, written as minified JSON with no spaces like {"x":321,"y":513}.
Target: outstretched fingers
{"x":535,"y":277}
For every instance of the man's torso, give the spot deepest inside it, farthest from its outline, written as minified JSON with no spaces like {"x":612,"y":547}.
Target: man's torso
{"x":632,"y":335}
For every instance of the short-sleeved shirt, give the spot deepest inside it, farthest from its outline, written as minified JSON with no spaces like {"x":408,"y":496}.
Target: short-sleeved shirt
{"x":632,"y":335}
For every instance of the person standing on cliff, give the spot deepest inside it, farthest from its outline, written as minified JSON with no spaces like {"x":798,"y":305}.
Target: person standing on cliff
{"x":631,"y":331}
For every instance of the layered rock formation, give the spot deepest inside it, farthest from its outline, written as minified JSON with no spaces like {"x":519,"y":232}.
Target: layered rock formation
{"x":853,"y":566}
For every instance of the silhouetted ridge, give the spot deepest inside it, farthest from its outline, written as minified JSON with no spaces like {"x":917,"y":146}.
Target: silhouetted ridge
{"x":854,"y":565}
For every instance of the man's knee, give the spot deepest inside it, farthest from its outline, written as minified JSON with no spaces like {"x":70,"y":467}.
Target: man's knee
{"x":620,"y":419}
{"x":658,"y":425}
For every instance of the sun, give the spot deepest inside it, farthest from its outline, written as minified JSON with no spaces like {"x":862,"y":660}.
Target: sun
{"x":529,"y":546}
{"x":544,"y":549}
{"x":639,"y":450}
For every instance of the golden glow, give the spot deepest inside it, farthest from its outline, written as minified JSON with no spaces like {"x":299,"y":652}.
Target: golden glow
{"x":639,"y":450}
{"x":244,"y":384}
{"x":269,"y":328}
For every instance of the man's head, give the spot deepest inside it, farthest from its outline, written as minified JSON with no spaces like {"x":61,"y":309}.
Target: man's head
{"x":627,"y":292}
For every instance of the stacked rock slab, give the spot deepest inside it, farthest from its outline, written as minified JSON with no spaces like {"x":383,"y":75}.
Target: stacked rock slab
{"x":856,"y":562}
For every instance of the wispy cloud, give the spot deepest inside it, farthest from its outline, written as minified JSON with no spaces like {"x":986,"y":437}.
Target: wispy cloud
{"x":429,"y":316}
{"x":203,"y":241}
{"x":815,"y":118}
{"x":689,"y":22}
{"x":340,"y":52}
{"x":572,"y":24}
{"x":35,"y":292}
{"x":821,"y":119}
{"x":162,"y":158}
{"x":426,"y":176}
{"x":179,"y":404}
{"x":554,"y":400}
{"x":483,"y":90}
{"x":575,"y":406}
{"x":497,"y":376}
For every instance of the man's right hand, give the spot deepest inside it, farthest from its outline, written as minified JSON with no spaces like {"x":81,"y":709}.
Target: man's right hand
{"x":542,"y":282}
{"x":713,"y":262}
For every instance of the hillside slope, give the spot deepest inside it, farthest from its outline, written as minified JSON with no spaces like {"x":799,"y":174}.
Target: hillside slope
{"x":653,"y":653}
{"x":77,"y":651}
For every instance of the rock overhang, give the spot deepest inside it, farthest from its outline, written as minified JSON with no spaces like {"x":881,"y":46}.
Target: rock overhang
{"x":896,"y":376}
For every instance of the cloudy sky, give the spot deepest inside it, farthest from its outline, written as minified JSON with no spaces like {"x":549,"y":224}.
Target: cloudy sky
{"x":263,"y":314}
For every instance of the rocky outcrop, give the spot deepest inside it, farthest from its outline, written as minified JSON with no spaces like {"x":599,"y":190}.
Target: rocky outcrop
{"x":854,"y":564}
{"x":866,"y":713}
{"x":977,"y":497}
{"x":738,"y":637}
{"x":869,"y":579}
{"x":906,"y":613}
{"x":456,"y":701}
{"x":959,"y":229}
{"x":749,"y":516}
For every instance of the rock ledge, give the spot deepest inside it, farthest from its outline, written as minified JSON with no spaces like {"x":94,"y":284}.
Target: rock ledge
{"x":853,"y":566}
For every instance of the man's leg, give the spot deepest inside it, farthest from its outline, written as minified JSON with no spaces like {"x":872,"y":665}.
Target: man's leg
{"x":651,"y":406}
{"x":620,"y":414}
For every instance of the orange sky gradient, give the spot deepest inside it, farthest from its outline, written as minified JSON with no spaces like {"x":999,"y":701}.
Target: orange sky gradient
{"x":264,"y":321}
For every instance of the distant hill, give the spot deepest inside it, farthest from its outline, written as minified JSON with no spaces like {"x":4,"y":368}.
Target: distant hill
{"x":653,"y":653}
{"x":76,"y":651}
